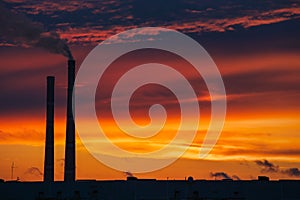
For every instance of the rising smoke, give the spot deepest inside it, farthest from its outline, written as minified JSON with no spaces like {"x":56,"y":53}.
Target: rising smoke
{"x":224,"y":175}
{"x":128,"y":174}
{"x":34,"y":171}
{"x":294,"y":172}
{"x":220,"y":175}
{"x":235,"y":177}
{"x":267,"y":166}
{"x":21,"y":31}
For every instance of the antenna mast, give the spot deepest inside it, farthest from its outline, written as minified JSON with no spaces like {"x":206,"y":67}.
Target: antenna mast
{"x":12,"y":170}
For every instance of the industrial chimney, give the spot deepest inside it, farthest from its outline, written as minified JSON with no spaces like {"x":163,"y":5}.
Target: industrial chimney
{"x":49,"y":147}
{"x":69,"y":175}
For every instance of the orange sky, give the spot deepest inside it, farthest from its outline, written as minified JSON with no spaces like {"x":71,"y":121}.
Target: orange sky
{"x":262,"y":120}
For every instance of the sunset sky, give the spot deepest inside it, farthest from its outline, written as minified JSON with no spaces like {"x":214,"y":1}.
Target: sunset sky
{"x":255,"y":45}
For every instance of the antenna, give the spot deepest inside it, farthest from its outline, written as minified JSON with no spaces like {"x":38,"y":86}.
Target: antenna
{"x":12,"y":170}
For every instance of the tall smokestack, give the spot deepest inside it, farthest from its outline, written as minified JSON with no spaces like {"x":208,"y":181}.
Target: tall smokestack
{"x":69,"y":175}
{"x":49,"y":147}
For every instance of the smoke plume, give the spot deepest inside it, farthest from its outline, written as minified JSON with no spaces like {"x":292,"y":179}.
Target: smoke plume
{"x":34,"y":171}
{"x":292,"y":172}
{"x":270,"y":167}
{"x":235,"y":177}
{"x":267,"y":166}
{"x":224,"y":175}
{"x":220,"y":175}
{"x":128,"y":174}
{"x":21,"y":31}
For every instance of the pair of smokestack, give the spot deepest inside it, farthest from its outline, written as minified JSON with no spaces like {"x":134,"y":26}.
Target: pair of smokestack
{"x":69,"y":173}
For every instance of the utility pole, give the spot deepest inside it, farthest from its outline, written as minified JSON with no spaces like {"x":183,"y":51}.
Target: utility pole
{"x":12,"y":170}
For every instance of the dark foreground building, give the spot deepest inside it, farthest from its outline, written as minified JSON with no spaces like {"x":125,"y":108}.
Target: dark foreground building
{"x":151,"y":190}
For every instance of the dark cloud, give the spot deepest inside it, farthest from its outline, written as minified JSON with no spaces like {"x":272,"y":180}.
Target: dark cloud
{"x":145,"y":10}
{"x":112,"y":16}
{"x":278,"y":38}
{"x":267,"y":166}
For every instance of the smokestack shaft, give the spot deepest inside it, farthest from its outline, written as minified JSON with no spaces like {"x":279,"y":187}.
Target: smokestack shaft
{"x":49,"y":146}
{"x":70,"y":130}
